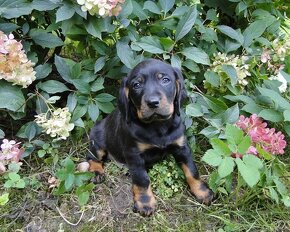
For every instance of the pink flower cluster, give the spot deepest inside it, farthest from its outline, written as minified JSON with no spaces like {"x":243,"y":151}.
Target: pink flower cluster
{"x":269,"y":140}
{"x":9,"y":153}
{"x":14,"y":65}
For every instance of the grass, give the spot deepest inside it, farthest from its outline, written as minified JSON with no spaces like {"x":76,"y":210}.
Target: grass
{"x":110,"y":207}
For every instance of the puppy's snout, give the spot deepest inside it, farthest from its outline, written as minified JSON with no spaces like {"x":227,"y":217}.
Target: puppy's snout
{"x":153,"y":102}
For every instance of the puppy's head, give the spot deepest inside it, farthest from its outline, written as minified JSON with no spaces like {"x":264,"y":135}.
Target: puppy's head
{"x":153,"y":90}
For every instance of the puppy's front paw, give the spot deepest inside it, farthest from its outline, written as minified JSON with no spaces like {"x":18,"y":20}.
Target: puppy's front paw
{"x":145,"y":208}
{"x":203,"y":193}
{"x":98,"y":169}
{"x":144,"y":200}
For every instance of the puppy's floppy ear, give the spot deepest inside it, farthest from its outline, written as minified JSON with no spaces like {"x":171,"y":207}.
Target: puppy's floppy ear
{"x":123,"y":101}
{"x":180,"y":90}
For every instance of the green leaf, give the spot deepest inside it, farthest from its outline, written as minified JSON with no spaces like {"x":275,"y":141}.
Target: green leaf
{"x":166,"y":5}
{"x":286,"y":201}
{"x":7,"y":28}
{"x":79,"y":111}
{"x":193,"y":110}
{"x":71,"y":101}
{"x":252,"y":108}
{"x":65,"y":12}
{"x":69,"y":165}
{"x":63,"y":68}
{"x":93,"y":111}
{"x":100,"y":63}
{"x":20,"y":184}
{"x":244,"y":145}
{"x":209,"y":131}
{"x":286,"y":115}
{"x":212,"y":157}
{"x":126,"y":54}
{"x":271,"y":115}
{"x":233,"y":134}
{"x":104,"y":97}
{"x":13,"y":176}
{"x":213,"y":78}
{"x":196,"y":54}
{"x":4,"y":198}
{"x":14,"y":9}
{"x":253,"y":31}
{"x":274,"y":194}
{"x":11,"y":97}
{"x":150,"y":44}
{"x":226,"y":167}
{"x":42,"y":71}
{"x":250,"y":174}
{"x":251,"y":160}
{"x":106,"y":107}
{"x":215,"y":104}
{"x":83,"y":198}
{"x":281,"y":188}
{"x":230,"y":32}
{"x":98,"y":84}
{"x":185,"y":23}
{"x":44,"y":5}
{"x":231,"y":115}
{"x":152,"y":7}
{"x":31,"y":130}
{"x":45,"y":39}
{"x":263,"y":153}
{"x":81,"y":86}
{"x":231,"y":72}
{"x":220,"y":146}
{"x":138,"y":11}
{"x":69,"y":181}
{"x":275,"y":97}
{"x":176,"y":61}
{"x":2,"y":134}
{"x":53,"y":86}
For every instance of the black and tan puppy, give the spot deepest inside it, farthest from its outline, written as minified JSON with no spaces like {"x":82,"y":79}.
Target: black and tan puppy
{"x":145,"y":127}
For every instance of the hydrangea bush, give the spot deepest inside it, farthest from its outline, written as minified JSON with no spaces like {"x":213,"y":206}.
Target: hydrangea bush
{"x":61,"y":63}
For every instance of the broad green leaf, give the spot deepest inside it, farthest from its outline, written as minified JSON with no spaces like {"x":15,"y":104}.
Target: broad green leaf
{"x":252,"y":108}
{"x":93,"y":111}
{"x":196,"y":54}
{"x":251,"y":160}
{"x":176,"y":61}
{"x":94,"y":28}
{"x":126,"y":54}
{"x":244,"y":145}
{"x":42,"y":71}
{"x":193,"y":110}
{"x":4,"y":198}
{"x":138,"y":11}
{"x":226,"y":167}
{"x":53,"y":86}
{"x":106,"y":107}
{"x":20,"y":184}
{"x":104,"y":97}
{"x":83,"y":198}
{"x":44,"y":5}
{"x":210,"y":131}
{"x":220,"y":146}
{"x":230,"y":32}
{"x":185,"y":23}
{"x":31,"y":130}
{"x":263,"y":153}
{"x":152,"y":7}
{"x":69,"y":165}
{"x":166,"y":5}
{"x":98,"y":84}
{"x":100,"y":63}
{"x":8,"y":27}
{"x":45,"y":39}
{"x":215,"y":104}
{"x":81,"y":86}
{"x":150,"y":44}
{"x":212,"y":158}
{"x":79,"y":111}
{"x":238,"y":98}
{"x":13,"y":9}
{"x":286,"y":115}
{"x":71,"y":101}
{"x":286,"y":201}
{"x":167,"y":43}
{"x":271,"y":115}
{"x":274,"y":194}
{"x":231,"y":115}
{"x":213,"y":78}
{"x":250,"y":174}
{"x":11,"y":97}
{"x":281,"y":188}
{"x":231,"y":72}
{"x":65,"y":12}
{"x":63,"y":68}
{"x":275,"y":97}
{"x":211,"y":14}
{"x":253,"y":31}
{"x":127,"y":9}
{"x":233,"y":134}
{"x":69,"y":181}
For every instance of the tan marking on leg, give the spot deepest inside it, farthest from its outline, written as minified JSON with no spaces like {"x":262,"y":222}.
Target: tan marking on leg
{"x":96,"y":167}
{"x":144,"y":200}
{"x":145,"y":146}
{"x":180,"y":141}
{"x":195,"y":185}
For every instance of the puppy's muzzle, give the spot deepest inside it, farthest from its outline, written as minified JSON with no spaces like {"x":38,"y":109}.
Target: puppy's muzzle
{"x":153,"y":102}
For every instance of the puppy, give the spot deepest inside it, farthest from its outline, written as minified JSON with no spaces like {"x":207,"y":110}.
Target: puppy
{"x":146,"y":127}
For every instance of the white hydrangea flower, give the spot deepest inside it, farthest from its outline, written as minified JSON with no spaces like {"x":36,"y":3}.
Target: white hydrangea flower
{"x":283,"y":87}
{"x":57,"y":124}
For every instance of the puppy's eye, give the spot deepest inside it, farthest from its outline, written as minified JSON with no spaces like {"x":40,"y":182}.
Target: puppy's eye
{"x":165,"y":80}
{"x":136,"y":85}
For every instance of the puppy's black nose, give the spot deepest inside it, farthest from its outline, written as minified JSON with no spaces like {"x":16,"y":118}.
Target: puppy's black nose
{"x":153,"y":102}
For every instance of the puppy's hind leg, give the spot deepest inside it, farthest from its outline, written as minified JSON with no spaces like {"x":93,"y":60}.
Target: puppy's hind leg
{"x":97,"y":153}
